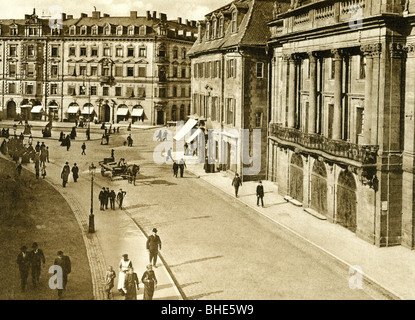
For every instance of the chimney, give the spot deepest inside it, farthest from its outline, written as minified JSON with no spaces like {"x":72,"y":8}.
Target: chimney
{"x":154,"y":15}
{"x":96,"y":14}
{"x":148,"y":15}
{"x":63,"y":16}
{"x":193,"y":23}
{"x":70,"y":16}
{"x":179,"y":20}
{"x":187,"y":22}
{"x":106,"y":15}
{"x":199,"y":32}
{"x":133,"y":14}
{"x":84,"y":15}
{"x":163,"y":16}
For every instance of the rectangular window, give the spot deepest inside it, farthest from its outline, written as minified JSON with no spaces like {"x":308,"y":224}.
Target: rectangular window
{"x":174,"y":72}
{"x":142,"y":72}
{"x":130,"y":71}
{"x":54,"y":71}
{"x":231,"y":68}
{"x":105,"y":91}
{"x":94,"y":70}
{"x":142,"y":92}
{"x":142,"y":52}
{"x":360,"y":115}
{"x":105,"y":71}
{"x":118,"y":71}
{"x":258,"y":119}
{"x":106,"y":52}
{"x":82,"y":52}
{"x":117,"y":91}
{"x":94,"y":52}
{"x":162,"y":92}
{"x":260,"y":70}
{"x":30,"y":70}
{"x":362,"y":67}
{"x":12,"y":70}
{"x":234,"y":17}
{"x":29,"y":89}
{"x":130,"y":52}
{"x":71,"y":90}
{"x":183,"y":73}
{"x":12,"y":88}
{"x":82,"y":70}
{"x":332,"y":68}
{"x":119,"y":52}
{"x":13,"y":51}
{"x":93,"y":90}
{"x":55,"y":51}
{"x":130,"y":92}
{"x":72,"y":51}
{"x":208,"y":67}
{"x":175,"y":53}
{"x":30,"y":51}
{"x":174,"y":91}
{"x":213,"y":111}
{"x":71,"y":71}
{"x":13,"y":32}
{"x":183,"y":92}
{"x":82,"y":90}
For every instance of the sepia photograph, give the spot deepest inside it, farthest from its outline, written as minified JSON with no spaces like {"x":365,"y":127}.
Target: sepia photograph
{"x":228,"y":151}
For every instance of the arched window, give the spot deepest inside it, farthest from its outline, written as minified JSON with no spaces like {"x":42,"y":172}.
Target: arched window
{"x":234,"y":21}
{"x":214,"y":23}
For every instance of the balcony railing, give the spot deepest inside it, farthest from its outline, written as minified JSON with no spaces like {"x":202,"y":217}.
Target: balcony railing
{"x":365,"y":154}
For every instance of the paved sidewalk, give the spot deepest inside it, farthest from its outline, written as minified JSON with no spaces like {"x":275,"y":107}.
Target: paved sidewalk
{"x":391,"y":268}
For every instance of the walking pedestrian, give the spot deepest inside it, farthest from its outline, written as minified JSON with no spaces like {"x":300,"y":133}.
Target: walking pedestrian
{"x":88,"y":134}
{"x":165,"y":135}
{"x":47,"y":153}
{"x":150,"y":282}
{"x":236,"y":182}
{"x":23,"y":260}
{"x":125,"y":263}
{"x":153,"y":245}
{"x":131,"y":284}
{"x":120,"y":197}
{"x":159,"y":135}
{"x":75,"y":172}
{"x":101,"y":198}
{"x":36,"y":259}
{"x":260,"y":194}
{"x":68,"y":142}
{"x":43,"y":171}
{"x":65,"y":174}
{"x":175,"y":169}
{"x":65,"y":263}
{"x":107,"y":197}
{"x":61,"y":136}
{"x":37,"y":168}
{"x":169,"y":155}
{"x":107,"y":138}
{"x":83,"y":147}
{"x":109,"y":281}
{"x":19,"y":168}
{"x":182,"y":165}
{"x":73,"y":133}
{"x":112,"y":199}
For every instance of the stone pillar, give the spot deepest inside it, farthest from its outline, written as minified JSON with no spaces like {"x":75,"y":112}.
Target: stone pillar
{"x":313,"y":94}
{"x":284,"y":89}
{"x":292,"y":91}
{"x":367,"y":130}
{"x":337,"y":113}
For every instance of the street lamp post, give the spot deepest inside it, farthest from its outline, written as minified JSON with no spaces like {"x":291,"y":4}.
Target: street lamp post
{"x":91,"y":216}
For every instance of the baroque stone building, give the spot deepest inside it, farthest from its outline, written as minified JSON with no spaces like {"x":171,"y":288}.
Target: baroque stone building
{"x":102,"y":67}
{"x":229,"y":83}
{"x":341,"y":132}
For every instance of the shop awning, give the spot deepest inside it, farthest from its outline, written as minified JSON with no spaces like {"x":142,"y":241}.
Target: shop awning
{"x":73,"y":109}
{"x":37,"y":109}
{"x":26,"y":106}
{"x":87,"y":110}
{"x":194,"y":135}
{"x":137,"y":112}
{"x":122,"y":111}
{"x":185,"y":129}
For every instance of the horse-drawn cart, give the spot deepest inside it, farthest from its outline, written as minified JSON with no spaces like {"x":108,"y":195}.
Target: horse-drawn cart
{"x":111,"y":168}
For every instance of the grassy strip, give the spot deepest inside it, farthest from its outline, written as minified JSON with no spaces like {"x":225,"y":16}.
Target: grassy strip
{"x":33,"y":211}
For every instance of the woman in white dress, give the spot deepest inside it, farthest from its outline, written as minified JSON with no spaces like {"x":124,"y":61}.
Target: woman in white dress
{"x":125,"y":264}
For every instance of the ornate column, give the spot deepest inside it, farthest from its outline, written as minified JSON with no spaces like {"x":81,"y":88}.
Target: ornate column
{"x":284,"y":88}
{"x":292,"y":89}
{"x":337,"y":113}
{"x":313,"y":93}
{"x":368,"y":110}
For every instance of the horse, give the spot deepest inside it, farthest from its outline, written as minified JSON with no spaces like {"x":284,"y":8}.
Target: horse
{"x":132,"y":171}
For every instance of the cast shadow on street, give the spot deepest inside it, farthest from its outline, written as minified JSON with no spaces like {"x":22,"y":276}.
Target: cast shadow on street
{"x":189,"y":284}
{"x":199,"y":296}
{"x":164,"y":286}
{"x":194,"y":261}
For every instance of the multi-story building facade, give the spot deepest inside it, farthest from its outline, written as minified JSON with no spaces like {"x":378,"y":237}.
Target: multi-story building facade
{"x":108,"y":68}
{"x":229,"y":80}
{"x":341,"y":133}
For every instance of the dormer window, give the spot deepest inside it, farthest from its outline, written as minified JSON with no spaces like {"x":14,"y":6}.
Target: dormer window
{"x":214,"y":22}
{"x":119,"y":30}
{"x":131,"y":30}
{"x":83,"y":30}
{"x":94,"y":30}
{"x":142,"y":30}
{"x":72,"y":30}
{"x":14,"y":31}
{"x":234,"y":22}
{"x":208,"y":31}
{"x":107,"y":30}
{"x":220,"y":27}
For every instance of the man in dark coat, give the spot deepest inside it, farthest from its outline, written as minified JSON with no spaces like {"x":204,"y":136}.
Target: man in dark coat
{"x":75,"y":172}
{"x":36,"y":259}
{"x":182,"y":165}
{"x":236,"y":182}
{"x":260,"y":194}
{"x":101,"y":198}
{"x":120,"y":197}
{"x":23,"y":260}
{"x":65,"y":174}
{"x":65,"y":263}
{"x":83,"y":147}
{"x":37,"y":147}
{"x":37,"y":167}
{"x":107,"y":197}
{"x":112,"y":199}
{"x":153,"y":246}
{"x":175,"y":169}
{"x":68,"y":142}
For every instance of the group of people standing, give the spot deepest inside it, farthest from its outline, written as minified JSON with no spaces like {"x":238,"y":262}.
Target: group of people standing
{"x":105,"y":196}
{"x":128,"y":282}
{"x":179,"y":166}
{"x":66,"y":171}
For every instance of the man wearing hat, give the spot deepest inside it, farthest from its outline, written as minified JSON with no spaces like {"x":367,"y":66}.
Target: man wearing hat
{"x":153,"y":246}
{"x":23,"y":260}
{"x":36,"y":259}
{"x":65,"y":174}
{"x":101,"y":198}
{"x":120,"y":197}
{"x":123,"y":267}
{"x":75,"y":172}
{"x":65,"y":263}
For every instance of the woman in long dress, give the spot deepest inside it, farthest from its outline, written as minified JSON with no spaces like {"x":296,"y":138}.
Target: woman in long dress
{"x":125,"y":263}
{"x":131,"y":285}
{"x":150,"y":282}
